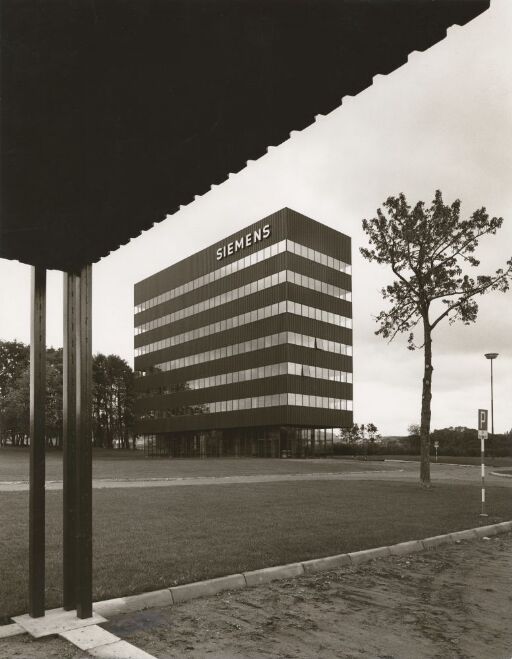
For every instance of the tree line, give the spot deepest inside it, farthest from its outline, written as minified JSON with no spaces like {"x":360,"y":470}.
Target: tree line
{"x":458,"y":441}
{"x":358,"y":439}
{"x":112,"y":398}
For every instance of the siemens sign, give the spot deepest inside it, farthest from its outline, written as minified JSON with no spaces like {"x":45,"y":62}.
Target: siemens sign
{"x":243,"y":242}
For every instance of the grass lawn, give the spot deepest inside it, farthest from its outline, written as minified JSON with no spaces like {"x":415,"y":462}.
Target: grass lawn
{"x":14,"y":464}
{"x":151,"y":538}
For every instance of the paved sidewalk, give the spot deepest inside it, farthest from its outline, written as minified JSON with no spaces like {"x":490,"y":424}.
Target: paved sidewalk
{"x":110,"y":483}
{"x":398,"y":471}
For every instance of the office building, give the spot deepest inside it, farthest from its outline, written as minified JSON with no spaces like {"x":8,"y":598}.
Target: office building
{"x":245,"y":348}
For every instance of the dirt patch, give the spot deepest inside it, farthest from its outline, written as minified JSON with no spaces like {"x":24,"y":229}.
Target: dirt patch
{"x":25,"y":647}
{"x":451,"y":602}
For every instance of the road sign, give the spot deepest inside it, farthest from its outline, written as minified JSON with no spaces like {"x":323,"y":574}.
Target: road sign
{"x":482,"y":419}
{"x":482,"y":436}
{"x":436,"y":444}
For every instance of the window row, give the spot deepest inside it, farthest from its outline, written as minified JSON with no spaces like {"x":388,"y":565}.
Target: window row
{"x":269,"y":311}
{"x":225,"y":270}
{"x":242,"y":291}
{"x":240,"y":264}
{"x":318,"y":257}
{"x":249,"y":346}
{"x":210,"y":303}
{"x":317,"y":285}
{"x":252,"y":403}
{"x":249,"y":375}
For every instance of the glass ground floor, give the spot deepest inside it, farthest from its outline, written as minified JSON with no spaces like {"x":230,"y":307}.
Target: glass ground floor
{"x":264,"y":442}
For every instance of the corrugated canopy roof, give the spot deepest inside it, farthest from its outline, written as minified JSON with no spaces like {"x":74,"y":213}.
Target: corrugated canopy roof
{"x":116,"y":112}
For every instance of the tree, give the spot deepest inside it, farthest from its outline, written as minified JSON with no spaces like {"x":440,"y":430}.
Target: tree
{"x":113,"y":400}
{"x":412,"y":443}
{"x":373,"y":432}
{"x":53,"y":420}
{"x":426,"y":249}
{"x":15,"y":405}
{"x":413,"y":429}
{"x":353,"y":434}
{"x":14,"y":359}
{"x":15,"y":411}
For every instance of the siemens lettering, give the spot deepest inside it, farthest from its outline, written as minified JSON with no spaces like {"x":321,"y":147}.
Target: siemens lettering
{"x":243,"y":242}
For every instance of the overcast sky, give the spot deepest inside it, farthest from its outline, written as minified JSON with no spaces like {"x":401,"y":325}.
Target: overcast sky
{"x":443,"y":120}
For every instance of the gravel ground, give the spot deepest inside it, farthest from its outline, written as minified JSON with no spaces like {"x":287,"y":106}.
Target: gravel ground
{"x":451,"y":602}
{"x":24,"y":647}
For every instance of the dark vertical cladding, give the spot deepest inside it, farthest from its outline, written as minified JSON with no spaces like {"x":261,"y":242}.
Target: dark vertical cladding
{"x":69,"y":440}
{"x":83,"y":522}
{"x":36,"y":565}
{"x":247,"y":345}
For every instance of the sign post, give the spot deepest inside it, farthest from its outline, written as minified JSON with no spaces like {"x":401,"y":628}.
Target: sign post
{"x":436,"y":446}
{"x":482,"y":436}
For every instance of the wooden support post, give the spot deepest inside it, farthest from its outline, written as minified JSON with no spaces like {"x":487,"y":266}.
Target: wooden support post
{"x":83,"y":529}
{"x":69,"y":440}
{"x":37,"y":442}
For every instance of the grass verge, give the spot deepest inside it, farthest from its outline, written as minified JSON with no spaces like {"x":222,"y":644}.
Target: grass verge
{"x":151,"y":538}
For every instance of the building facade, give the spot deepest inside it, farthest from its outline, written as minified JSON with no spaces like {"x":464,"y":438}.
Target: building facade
{"x":245,"y":348}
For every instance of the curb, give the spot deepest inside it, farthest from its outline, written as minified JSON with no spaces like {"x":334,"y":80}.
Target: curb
{"x":446,"y":464}
{"x":328,"y":563}
{"x":436,"y":540}
{"x":205,"y":588}
{"x":267,"y":574}
{"x":498,"y":473}
{"x":403,"y":548}
{"x":357,"y":557}
{"x":197,"y":589}
{"x":134,"y":603}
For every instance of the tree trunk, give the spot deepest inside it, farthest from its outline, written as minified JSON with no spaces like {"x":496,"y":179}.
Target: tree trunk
{"x":426,"y":398}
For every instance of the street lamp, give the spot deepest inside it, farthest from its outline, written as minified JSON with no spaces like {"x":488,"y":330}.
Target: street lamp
{"x":491,"y":356}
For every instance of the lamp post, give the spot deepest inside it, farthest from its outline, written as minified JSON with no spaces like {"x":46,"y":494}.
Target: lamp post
{"x":491,"y":356}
